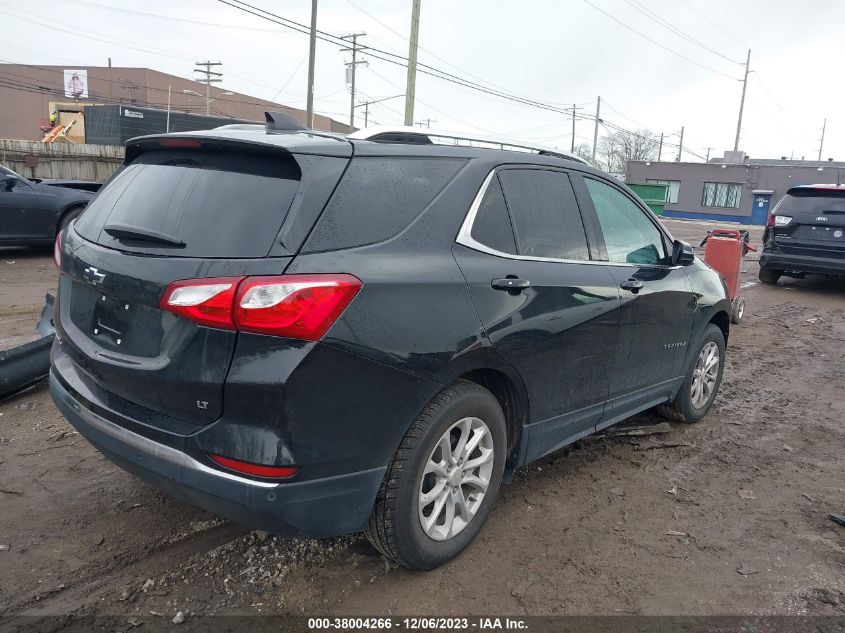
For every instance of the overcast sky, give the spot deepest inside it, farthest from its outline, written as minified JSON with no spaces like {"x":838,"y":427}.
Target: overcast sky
{"x":559,"y":52}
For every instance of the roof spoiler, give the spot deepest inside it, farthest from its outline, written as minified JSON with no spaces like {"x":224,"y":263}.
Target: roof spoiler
{"x":279,"y":122}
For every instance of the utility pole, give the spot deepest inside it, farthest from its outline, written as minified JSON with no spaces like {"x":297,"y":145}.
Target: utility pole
{"x":680,"y":146}
{"x":367,"y":104}
{"x":660,"y":148}
{"x":410,"y":90}
{"x":596,"y":129}
{"x":707,"y":160}
{"x":574,"y":108}
{"x":350,"y":70}
{"x":821,"y":141}
{"x":426,"y":122}
{"x":742,"y":101}
{"x":312,"y":52}
{"x":211,"y":77}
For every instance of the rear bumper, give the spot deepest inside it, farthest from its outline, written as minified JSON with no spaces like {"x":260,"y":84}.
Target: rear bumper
{"x":803,"y":263}
{"x":316,"y":508}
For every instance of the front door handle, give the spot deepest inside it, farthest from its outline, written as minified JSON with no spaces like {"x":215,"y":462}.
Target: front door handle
{"x":634,"y":285}
{"x":513,"y":285}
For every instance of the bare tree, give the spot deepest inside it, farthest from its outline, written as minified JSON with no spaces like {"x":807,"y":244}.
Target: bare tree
{"x":617,"y":148}
{"x":586,"y":152}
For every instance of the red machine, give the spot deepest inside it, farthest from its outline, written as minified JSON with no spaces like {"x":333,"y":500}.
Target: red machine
{"x":723,"y":251}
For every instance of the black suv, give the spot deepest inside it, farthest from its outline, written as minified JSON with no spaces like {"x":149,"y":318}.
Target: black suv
{"x":320,"y":335}
{"x":805,"y":233}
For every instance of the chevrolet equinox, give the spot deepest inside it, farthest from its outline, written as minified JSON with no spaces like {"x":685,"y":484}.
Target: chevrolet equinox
{"x":317,"y":334}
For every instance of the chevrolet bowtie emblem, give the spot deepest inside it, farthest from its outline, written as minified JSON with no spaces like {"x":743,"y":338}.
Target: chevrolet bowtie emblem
{"x":93,"y":276}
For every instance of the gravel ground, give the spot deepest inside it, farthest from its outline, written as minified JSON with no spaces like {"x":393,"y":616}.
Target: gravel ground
{"x":729,"y":516}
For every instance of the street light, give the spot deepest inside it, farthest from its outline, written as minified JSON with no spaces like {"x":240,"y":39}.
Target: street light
{"x":208,"y":98}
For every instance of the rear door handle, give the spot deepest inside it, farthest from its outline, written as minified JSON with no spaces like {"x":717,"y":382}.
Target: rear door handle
{"x":512,"y":285}
{"x":634,"y":285}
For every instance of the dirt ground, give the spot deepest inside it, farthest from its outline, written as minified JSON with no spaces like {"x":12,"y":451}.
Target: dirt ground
{"x":728,"y":516}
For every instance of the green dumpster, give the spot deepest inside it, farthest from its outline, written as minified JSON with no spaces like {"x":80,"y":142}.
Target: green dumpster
{"x":653,"y":195}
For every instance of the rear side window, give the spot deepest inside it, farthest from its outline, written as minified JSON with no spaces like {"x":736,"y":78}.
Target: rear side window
{"x":218,"y":204}
{"x":492,"y":226}
{"x":544,"y":213}
{"x":377,"y":198}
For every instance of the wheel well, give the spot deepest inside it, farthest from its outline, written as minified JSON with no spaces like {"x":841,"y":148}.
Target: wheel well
{"x":514,"y":405}
{"x":70,"y":209}
{"x":722,"y":320}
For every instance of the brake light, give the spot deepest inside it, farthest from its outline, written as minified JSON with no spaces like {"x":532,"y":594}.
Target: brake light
{"x":57,"y":250}
{"x":294,"y":306}
{"x":782,"y":220}
{"x":204,"y":301}
{"x":180,"y":143}
{"x":256,"y":470}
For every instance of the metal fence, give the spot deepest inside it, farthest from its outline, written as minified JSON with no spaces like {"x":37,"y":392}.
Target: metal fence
{"x":60,"y":160}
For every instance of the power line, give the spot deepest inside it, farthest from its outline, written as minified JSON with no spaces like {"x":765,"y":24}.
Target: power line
{"x":656,"y":43}
{"x":713,"y":22}
{"x":87,"y":34}
{"x":392,"y":58}
{"x":674,"y":29}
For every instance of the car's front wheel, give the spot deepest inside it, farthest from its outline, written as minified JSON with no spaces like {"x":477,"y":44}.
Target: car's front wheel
{"x":443,"y":479}
{"x":702,"y":380}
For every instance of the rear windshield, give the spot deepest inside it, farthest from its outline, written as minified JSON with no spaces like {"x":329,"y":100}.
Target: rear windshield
{"x":813,"y":201}
{"x":214,"y":204}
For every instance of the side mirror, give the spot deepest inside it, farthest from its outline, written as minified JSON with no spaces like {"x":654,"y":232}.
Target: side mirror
{"x":682,"y":254}
{"x":8,"y":183}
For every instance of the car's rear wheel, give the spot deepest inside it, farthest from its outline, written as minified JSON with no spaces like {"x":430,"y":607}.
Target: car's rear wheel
{"x":702,"y":380}
{"x":443,"y":480}
{"x":769,"y":275}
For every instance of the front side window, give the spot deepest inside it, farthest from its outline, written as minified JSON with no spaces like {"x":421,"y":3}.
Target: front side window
{"x":544,"y":213}
{"x":673,"y":188}
{"x":721,"y":194}
{"x":630,"y":237}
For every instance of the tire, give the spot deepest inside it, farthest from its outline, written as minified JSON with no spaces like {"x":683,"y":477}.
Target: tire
{"x":396,"y":524}
{"x":737,"y":310}
{"x":684,"y":408}
{"x":769,"y":275}
{"x":69,"y":216}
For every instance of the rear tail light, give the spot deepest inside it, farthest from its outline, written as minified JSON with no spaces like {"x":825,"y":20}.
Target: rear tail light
{"x":57,"y":250}
{"x":294,"y":306}
{"x":204,"y":301}
{"x":782,"y":220}
{"x":255,"y":470}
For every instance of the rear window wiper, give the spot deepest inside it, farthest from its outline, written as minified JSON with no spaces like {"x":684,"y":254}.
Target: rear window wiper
{"x":129,"y":232}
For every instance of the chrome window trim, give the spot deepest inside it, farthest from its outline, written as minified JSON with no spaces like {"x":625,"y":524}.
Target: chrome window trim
{"x":465,"y":238}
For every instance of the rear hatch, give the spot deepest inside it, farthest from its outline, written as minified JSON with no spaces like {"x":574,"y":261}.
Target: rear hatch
{"x":811,"y":221}
{"x":175,"y":211}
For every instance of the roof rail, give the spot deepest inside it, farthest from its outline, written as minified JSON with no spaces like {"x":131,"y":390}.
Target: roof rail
{"x":427,"y":136}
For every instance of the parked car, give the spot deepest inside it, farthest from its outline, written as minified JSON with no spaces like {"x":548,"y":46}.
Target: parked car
{"x":805,"y":233}
{"x":33,"y":211}
{"x":318,"y":335}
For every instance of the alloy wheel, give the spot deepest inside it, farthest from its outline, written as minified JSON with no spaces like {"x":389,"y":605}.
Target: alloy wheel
{"x":456,"y":477}
{"x":704,"y":375}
